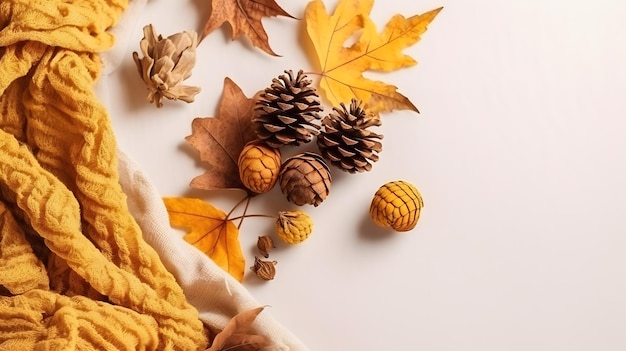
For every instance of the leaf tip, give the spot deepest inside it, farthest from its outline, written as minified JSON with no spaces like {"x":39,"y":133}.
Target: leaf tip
{"x":433,"y":13}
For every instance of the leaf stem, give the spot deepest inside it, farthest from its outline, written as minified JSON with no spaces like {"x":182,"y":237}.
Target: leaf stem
{"x":245,"y":210}
{"x":245,"y":214}
{"x":251,"y":215}
{"x":247,"y":197}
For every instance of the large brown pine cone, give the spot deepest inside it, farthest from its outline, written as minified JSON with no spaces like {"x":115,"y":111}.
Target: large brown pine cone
{"x":346,"y":141}
{"x":287,"y":113}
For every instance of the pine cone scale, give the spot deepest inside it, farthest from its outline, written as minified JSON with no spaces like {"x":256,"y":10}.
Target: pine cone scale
{"x":349,"y":141}
{"x":269,"y":109}
{"x":284,"y":106}
{"x":287,"y":97}
{"x":346,"y":153}
{"x":287,"y":120}
{"x":301,"y":106}
{"x":272,"y":128}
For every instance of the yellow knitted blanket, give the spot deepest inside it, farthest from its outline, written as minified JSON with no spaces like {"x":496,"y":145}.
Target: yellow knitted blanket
{"x":75,"y":273}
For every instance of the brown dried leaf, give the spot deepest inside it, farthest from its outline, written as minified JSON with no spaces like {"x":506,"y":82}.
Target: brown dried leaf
{"x":220,"y":139}
{"x":244,"y":17}
{"x":236,"y":335}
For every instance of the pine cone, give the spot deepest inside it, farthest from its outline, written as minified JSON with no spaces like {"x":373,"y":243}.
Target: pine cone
{"x":305,"y":179}
{"x":345,"y":140}
{"x":166,"y":62}
{"x":259,"y":166}
{"x":287,"y":111}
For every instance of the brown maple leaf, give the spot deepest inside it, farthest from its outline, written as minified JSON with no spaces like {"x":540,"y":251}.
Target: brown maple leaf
{"x":244,"y":17}
{"x":237,"y":336}
{"x":220,"y":139}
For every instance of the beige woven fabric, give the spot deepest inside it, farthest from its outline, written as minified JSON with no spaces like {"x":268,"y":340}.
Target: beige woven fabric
{"x":216,"y":295}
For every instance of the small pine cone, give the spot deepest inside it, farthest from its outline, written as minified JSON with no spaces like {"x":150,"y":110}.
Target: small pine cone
{"x":259,"y":166}
{"x":345,"y":140}
{"x":287,"y":112}
{"x":397,"y":205}
{"x":305,"y":179}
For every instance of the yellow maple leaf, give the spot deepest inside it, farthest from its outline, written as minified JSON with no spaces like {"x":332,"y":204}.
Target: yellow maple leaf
{"x":209,"y":230}
{"x":341,"y":68}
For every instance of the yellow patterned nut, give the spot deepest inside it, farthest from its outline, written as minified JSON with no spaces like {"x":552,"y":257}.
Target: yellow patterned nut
{"x":397,"y":205}
{"x":293,"y":227}
{"x":259,"y":166}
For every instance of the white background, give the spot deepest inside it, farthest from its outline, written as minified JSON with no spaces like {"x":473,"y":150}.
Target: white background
{"x":518,"y":152}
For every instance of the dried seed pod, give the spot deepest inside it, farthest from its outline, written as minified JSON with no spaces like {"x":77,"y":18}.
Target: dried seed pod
{"x":305,"y":179}
{"x":265,"y":244}
{"x":259,"y":166}
{"x":397,"y":205}
{"x":166,"y":62}
{"x":293,"y":227}
{"x":265,"y":270}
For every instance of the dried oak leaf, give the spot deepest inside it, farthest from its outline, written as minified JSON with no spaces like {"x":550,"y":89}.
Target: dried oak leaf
{"x":244,"y":17}
{"x":341,"y":68}
{"x":208,"y":229}
{"x":237,"y":336}
{"x":220,"y":139}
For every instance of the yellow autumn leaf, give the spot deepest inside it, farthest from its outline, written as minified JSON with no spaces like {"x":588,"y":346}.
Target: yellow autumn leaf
{"x":341,"y":68}
{"x":208,"y":229}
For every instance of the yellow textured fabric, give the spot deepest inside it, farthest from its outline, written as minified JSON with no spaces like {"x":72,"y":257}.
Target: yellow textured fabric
{"x":75,"y":273}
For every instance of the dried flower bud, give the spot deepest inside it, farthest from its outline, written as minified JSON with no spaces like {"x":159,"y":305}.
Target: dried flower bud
{"x":265,"y":270}
{"x":265,"y":244}
{"x":166,"y":63}
{"x":294,"y":227}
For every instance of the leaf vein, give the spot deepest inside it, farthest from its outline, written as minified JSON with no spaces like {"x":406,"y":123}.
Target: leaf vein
{"x":367,"y":52}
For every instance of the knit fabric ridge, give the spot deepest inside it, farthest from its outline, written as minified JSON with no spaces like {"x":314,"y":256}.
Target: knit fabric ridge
{"x":75,"y":272}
